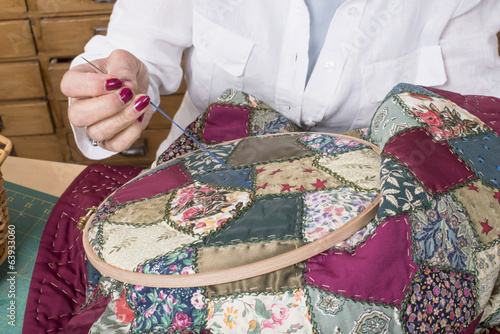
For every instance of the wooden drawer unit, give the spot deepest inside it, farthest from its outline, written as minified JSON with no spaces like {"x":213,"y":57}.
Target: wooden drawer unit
{"x":16,"y":39}
{"x":153,"y":137}
{"x":57,"y":68}
{"x":21,"y":80}
{"x":31,"y":117}
{"x":68,"y":6}
{"x":44,"y":147}
{"x":12,"y":8}
{"x":67,"y":36}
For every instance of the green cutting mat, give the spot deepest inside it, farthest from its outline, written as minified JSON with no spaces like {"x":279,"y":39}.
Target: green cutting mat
{"x":28,"y":212}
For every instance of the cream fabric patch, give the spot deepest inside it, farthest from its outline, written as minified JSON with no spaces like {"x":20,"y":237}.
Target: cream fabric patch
{"x":359,"y":167}
{"x":127,"y":246}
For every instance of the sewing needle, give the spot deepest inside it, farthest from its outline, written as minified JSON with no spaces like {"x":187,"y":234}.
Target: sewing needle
{"x":190,"y":136}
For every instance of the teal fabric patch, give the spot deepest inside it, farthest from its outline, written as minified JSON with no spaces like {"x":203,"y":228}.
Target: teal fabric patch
{"x":336,"y":314}
{"x":399,"y":192}
{"x":226,"y":178}
{"x":200,"y":162}
{"x":390,"y":119}
{"x":328,"y":144}
{"x":276,"y":217}
{"x":482,"y":153}
{"x":267,"y":121}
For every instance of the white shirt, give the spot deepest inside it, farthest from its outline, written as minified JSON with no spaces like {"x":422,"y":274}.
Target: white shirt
{"x":261,"y":47}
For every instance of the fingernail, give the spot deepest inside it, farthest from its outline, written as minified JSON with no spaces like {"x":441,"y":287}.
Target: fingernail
{"x":113,"y":84}
{"x":126,"y":95}
{"x":140,"y":118}
{"x":142,"y":103}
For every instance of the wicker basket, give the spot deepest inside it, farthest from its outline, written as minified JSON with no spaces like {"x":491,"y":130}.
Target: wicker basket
{"x":4,"y":214}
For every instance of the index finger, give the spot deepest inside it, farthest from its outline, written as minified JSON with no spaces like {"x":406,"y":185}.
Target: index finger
{"x":81,"y":81}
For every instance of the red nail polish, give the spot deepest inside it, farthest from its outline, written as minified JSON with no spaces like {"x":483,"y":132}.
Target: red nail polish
{"x":126,"y":95}
{"x":142,"y":103}
{"x":140,"y":118}
{"x":113,"y":84}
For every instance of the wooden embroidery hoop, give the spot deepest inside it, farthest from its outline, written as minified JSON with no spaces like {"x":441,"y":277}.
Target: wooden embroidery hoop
{"x":244,"y":271}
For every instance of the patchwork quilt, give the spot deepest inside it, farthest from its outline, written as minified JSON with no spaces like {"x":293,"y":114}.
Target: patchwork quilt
{"x":428,"y":262}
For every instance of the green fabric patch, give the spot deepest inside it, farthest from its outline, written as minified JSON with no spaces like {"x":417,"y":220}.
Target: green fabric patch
{"x":224,"y":257}
{"x":268,"y":217}
{"x":262,"y":149}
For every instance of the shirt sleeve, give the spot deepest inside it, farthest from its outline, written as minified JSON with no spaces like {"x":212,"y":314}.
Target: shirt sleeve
{"x":156,"y":32}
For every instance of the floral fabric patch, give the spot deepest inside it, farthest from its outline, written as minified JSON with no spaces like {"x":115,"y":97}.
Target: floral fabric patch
{"x":142,"y":212}
{"x":442,"y":117}
{"x":443,"y":235}
{"x":202,"y":209}
{"x":488,"y":267}
{"x":163,"y":309}
{"x":286,"y":312}
{"x":439,"y":301}
{"x":326,"y":211}
{"x":238,"y":97}
{"x":200,"y":162}
{"x":126,"y":246}
{"x":390,"y":119}
{"x":481,"y":152}
{"x":268,"y":217}
{"x":267,"y":121}
{"x":335,"y":314}
{"x":483,"y":205}
{"x":329,"y":144}
{"x":399,"y":193}
{"x":360,"y":168}
{"x":182,"y":145}
{"x":117,"y":317}
{"x":291,"y":177}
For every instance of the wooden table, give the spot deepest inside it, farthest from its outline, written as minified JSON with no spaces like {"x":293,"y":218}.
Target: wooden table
{"x":46,"y":176}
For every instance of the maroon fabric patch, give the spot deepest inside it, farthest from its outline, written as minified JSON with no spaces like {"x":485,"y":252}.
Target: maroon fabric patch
{"x":472,"y":328}
{"x":59,"y":281}
{"x":225,"y":123}
{"x":487,"y":108}
{"x":153,"y":184}
{"x":385,"y":255}
{"x":434,"y":164}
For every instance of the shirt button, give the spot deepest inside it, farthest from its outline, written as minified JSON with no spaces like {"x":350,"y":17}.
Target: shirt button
{"x":309,"y":124}
{"x":329,"y":66}
{"x":353,"y":11}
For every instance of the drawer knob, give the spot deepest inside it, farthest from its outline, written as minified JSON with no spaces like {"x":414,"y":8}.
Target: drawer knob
{"x":100,"y":30}
{"x":138,"y":149}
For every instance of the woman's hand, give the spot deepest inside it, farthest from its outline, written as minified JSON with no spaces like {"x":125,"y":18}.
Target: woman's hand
{"x":112,"y":107}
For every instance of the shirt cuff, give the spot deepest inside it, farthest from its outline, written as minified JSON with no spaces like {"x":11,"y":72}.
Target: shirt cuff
{"x":83,"y":143}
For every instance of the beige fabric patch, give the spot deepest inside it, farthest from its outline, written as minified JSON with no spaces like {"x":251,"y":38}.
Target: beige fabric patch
{"x":483,"y":208}
{"x":292,"y":176}
{"x":141,"y":212}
